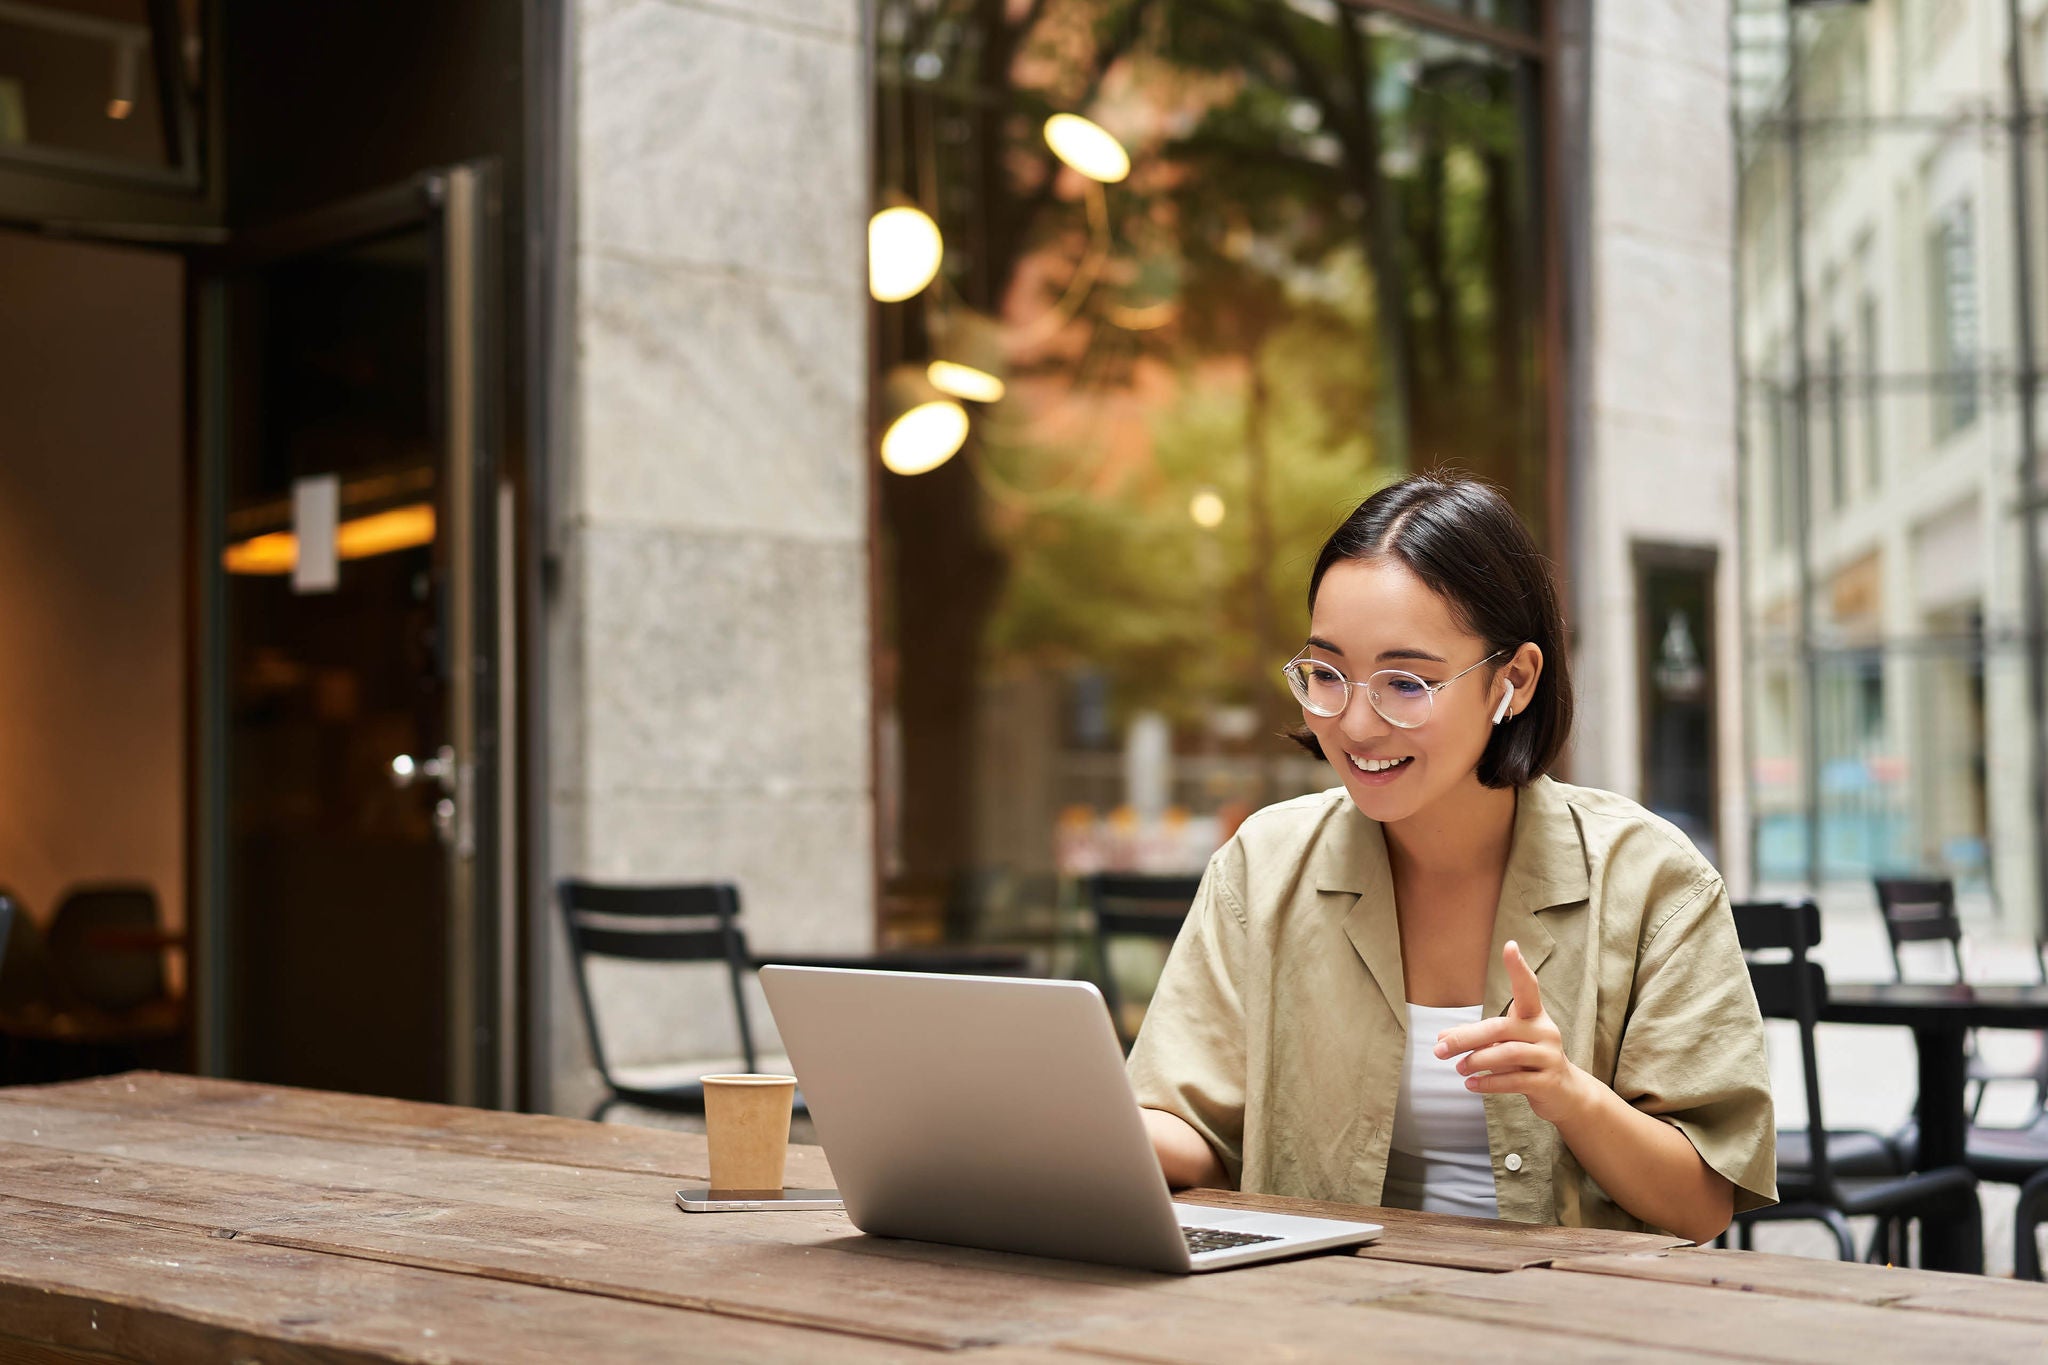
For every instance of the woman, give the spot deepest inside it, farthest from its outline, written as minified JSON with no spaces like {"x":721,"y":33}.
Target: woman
{"x":1452,"y":983}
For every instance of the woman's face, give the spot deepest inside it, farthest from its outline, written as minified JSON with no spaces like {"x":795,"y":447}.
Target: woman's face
{"x":1372,"y":614}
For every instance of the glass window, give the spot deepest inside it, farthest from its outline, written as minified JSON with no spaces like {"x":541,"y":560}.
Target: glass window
{"x":1953,"y":312}
{"x":1296,"y":252}
{"x":1782,"y":471}
{"x":1838,"y":430}
{"x":1871,"y":390}
{"x":82,"y":82}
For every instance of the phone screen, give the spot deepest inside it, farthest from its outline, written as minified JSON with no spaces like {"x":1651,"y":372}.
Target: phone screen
{"x":735,"y":1201}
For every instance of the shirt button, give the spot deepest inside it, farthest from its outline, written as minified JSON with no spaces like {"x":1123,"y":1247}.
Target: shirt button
{"x":1514,"y":1161}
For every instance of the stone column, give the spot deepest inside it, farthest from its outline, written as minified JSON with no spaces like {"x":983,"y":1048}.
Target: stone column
{"x":709,"y":631}
{"x":1660,"y":438}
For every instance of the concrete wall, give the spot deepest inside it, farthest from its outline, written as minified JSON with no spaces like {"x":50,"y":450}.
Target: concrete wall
{"x":1659,"y":449}
{"x":714,"y":500}
{"x":92,"y":686}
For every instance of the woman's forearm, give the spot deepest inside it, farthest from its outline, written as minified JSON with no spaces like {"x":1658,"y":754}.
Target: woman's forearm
{"x":1184,"y":1156}
{"x":1645,"y":1165}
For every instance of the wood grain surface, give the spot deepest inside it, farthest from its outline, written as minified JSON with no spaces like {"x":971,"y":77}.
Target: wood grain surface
{"x":170,"y":1218}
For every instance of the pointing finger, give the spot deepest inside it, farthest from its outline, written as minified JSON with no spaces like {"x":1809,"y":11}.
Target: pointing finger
{"x":1528,"y":1001}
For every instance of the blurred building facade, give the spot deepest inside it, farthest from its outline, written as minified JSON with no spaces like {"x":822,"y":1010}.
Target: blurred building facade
{"x":1891,"y":215}
{"x":532,"y":516}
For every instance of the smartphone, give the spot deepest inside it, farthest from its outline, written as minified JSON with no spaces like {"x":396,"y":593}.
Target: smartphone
{"x":738,"y":1201}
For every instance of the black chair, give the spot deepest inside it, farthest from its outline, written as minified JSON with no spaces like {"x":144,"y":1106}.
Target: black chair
{"x":2031,"y":1212}
{"x":1851,"y":1152}
{"x":1923,"y":910}
{"x":1134,"y":905}
{"x":672,"y":924}
{"x":28,"y":985}
{"x":6,"y":927}
{"x":1795,"y":988}
{"x":107,"y":946}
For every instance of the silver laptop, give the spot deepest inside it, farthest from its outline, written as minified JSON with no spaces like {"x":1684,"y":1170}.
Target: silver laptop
{"x":993,"y":1112}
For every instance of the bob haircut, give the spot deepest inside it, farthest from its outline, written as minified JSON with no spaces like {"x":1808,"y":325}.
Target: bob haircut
{"x":1462,"y":539}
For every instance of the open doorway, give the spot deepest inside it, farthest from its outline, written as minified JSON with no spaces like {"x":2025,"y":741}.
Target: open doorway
{"x":94,"y":764}
{"x":348,"y":563}
{"x":263,"y":461}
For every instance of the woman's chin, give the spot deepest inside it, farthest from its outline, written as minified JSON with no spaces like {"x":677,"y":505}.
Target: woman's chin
{"x":1385,"y":798}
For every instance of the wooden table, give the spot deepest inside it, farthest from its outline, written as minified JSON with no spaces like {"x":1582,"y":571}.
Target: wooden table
{"x":161,"y":1218}
{"x":1941,"y":1017}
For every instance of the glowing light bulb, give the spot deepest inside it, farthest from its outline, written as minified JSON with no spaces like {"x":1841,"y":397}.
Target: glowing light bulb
{"x":1087,"y":147}
{"x":925,"y":437}
{"x":1207,"y":509}
{"x":904,"y":251}
{"x":965,"y":381}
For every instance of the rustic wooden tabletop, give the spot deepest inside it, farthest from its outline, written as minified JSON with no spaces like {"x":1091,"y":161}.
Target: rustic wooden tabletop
{"x":167,"y":1218}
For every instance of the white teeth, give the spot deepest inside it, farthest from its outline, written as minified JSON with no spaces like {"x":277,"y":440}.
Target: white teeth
{"x":1374,"y":765}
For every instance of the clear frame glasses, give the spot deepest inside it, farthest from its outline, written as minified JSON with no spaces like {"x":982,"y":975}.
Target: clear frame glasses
{"x":1402,"y":699}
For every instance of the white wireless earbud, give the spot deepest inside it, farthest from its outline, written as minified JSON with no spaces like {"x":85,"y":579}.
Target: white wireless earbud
{"x":1500,"y":712}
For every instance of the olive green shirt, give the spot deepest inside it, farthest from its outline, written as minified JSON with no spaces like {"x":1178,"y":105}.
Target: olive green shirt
{"x":1279,"y":1027}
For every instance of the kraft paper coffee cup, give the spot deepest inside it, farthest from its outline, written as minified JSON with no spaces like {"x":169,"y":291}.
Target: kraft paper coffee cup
{"x":746,"y":1123}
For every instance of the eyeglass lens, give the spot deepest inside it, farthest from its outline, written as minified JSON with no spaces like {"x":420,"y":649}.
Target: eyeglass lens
{"x":1402,"y":699}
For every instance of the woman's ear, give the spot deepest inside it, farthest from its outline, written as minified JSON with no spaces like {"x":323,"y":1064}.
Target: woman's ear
{"x":1521,"y":672}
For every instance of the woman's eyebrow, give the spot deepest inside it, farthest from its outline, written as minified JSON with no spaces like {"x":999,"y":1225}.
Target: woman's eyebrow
{"x":1412,"y":654}
{"x":1320,"y":643}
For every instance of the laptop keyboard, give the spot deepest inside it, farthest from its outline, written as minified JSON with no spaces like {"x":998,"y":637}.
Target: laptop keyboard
{"x":1216,"y":1239}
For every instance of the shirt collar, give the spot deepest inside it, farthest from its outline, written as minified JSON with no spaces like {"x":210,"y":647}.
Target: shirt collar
{"x":1546,"y":869}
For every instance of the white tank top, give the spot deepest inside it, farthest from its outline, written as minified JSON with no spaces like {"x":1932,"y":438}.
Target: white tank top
{"x":1440,"y":1161}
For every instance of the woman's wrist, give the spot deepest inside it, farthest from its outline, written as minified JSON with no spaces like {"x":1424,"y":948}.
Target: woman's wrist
{"x":1578,"y":1098}
{"x":1645,"y":1165}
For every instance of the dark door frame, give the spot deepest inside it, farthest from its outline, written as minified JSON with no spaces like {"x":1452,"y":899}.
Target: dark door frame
{"x":459,"y":202}
{"x":1706,"y":561}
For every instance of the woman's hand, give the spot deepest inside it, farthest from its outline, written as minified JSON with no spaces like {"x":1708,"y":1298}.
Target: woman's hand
{"x":1520,"y":1052}
{"x":1645,"y":1165}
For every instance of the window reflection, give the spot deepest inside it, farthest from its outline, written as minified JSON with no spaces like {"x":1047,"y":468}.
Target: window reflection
{"x":82,"y":82}
{"x":1323,"y":270}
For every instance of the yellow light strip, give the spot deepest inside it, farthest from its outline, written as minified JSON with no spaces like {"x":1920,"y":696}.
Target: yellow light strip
{"x":401,"y":528}
{"x":271,"y":554}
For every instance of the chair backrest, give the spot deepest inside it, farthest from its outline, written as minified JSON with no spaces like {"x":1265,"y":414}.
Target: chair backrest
{"x":1791,"y":987}
{"x":6,"y":927}
{"x":1134,"y":905}
{"x":1141,"y":904}
{"x":1920,"y":910}
{"x":107,"y":946}
{"x":27,"y":981}
{"x":691,"y":923}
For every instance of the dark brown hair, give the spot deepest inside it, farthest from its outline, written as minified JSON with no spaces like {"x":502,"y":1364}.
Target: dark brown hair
{"x":1464,"y":541}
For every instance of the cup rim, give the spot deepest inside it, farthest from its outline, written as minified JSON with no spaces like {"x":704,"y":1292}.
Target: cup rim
{"x":756,"y":1078}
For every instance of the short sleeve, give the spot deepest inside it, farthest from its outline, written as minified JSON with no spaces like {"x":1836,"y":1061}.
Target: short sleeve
{"x":1189,"y":1059}
{"x":1692,"y":1050}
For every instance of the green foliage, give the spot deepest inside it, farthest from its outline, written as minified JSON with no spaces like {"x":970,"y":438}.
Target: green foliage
{"x":1117,"y":574}
{"x":1301,"y":151}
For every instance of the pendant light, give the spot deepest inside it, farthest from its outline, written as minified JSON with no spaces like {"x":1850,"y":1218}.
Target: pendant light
{"x":904,"y":251}
{"x":921,"y":427}
{"x":1087,"y":147}
{"x":969,"y":360}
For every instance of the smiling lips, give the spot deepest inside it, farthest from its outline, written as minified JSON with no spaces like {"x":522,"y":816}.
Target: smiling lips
{"x":1377,"y":765}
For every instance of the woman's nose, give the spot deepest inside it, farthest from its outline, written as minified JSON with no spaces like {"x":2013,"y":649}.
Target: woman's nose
{"x":1360,"y":722}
